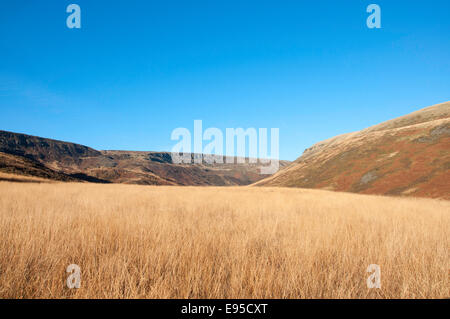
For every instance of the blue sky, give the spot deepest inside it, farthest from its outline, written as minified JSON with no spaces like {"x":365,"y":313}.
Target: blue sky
{"x":136,"y":70}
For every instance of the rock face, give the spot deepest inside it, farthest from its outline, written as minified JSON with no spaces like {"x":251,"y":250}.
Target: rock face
{"x":41,"y":157}
{"x":409,"y":155}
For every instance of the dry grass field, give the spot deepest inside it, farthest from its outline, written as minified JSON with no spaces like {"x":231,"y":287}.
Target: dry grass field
{"x":234,"y":242}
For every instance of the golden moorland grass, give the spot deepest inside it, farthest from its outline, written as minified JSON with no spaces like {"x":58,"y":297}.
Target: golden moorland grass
{"x":234,"y":242}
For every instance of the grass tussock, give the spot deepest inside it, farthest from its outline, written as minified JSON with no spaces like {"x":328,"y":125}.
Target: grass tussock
{"x":237,"y":242}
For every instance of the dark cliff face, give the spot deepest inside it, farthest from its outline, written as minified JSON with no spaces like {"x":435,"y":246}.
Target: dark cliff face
{"x":160,"y":157}
{"x":43,"y":149}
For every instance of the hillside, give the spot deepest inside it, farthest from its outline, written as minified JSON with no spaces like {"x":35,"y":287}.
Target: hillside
{"x":18,"y":165}
{"x":409,"y":155}
{"x":65,"y":161}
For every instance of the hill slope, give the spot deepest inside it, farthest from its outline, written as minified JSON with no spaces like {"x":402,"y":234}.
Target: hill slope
{"x":65,"y":161}
{"x":24,"y":166}
{"x":409,"y":155}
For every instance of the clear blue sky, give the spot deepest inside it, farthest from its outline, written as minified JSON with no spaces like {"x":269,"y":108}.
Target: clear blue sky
{"x":136,"y":70}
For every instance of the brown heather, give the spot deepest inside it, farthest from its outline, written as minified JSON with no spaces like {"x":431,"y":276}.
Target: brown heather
{"x":209,"y":242}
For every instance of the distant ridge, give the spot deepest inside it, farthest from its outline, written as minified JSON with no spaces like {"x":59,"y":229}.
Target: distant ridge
{"x":408,"y":156}
{"x":65,"y":161}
